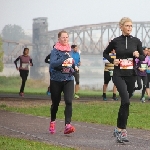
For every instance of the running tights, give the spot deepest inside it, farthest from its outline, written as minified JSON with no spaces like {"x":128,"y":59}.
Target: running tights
{"x":23,"y":75}
{"x":56,"y":88}
{"x":144,"y":79}
{"x":125,"y":87}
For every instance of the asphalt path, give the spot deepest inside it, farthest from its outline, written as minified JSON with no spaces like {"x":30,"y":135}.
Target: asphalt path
{"x":88,"y":136}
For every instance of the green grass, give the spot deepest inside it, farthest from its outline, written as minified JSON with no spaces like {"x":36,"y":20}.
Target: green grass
{"x":12,"y":85}
{"x":9,"y":143}
{"x":95,"y":112}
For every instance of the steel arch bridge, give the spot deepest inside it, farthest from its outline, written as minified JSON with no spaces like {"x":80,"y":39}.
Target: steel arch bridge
{"x":93,"y":38}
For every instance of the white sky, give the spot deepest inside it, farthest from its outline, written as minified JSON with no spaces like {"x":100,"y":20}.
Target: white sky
{"x":67,"y":13}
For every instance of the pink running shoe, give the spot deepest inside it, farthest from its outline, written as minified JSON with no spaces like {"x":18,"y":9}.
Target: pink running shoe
{"x":21,"y":94}
{"x":52,"y":127}
{"x":69,"y":129}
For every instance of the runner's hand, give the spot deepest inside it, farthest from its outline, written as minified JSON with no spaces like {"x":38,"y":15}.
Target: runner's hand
{"x":67,"y":54}
{"x":142,"y":70}
{"x":76,"y":68}
{"x":136,"y":53}
{"x":116,"y":62}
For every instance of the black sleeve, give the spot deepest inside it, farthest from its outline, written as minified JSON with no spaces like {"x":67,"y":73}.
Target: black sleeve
{"x":106,"y":52}
{"x":47,"y":59}
{"x":140,"y":50}
{"x":15,"y":62}
{"x":73,"y":66}
{"x":31,"y":62}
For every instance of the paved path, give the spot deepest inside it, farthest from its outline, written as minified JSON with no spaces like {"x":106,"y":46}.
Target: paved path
{"x":46,"y":97}
{"x":43,"y":97}
{"x":27,"y":96}
{"x":88,"y":136}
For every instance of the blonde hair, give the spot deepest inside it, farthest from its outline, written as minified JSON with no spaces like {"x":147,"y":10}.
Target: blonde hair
{"x":123,"y":20}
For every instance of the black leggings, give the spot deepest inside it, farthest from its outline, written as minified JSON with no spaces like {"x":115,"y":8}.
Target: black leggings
{"x":56,"y":88}
{"x":125,"y":87}
{"x":144,"y":79}
{"x":23,"y":75}
{"x":76,"y":76}
{"x":148,"y":80}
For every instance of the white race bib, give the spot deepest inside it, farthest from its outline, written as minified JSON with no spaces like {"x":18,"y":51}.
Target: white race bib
{"x":25,"y":65}
{"x":68,"y":62}
{"x":144,"y":66}
{"x":126,"y":63}
{"x":111,"y":72}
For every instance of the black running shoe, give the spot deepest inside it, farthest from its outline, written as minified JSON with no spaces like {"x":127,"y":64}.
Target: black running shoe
{"x":115,"y":98}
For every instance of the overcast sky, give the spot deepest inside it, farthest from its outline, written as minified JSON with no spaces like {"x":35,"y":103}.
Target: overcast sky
{"x":67,"y":13}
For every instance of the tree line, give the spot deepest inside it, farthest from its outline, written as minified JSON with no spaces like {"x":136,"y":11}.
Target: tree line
{"x":13,"y":33}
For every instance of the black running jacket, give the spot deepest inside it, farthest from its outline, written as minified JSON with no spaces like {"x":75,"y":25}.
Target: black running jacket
{"x":124,"y":47}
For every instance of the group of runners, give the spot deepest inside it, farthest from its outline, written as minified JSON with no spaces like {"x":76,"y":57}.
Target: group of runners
{"x":127,"y":61}
{"x":142,"y":70}
{"x":64,"y":62}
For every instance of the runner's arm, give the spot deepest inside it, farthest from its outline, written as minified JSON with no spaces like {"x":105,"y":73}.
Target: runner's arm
{"x":106,"y":52}
{"x":55,"y":61}
{"x":139,"y":49}
{"x":31,"y":62}
{"x":47,"y":59}
{"x":79,"y":64}
{"x":15,"y":62}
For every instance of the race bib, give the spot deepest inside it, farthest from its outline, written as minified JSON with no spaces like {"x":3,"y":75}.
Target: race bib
{"x":68,"y":62}
{"x":111,"y":72}
{"x":25,"y":65}
{"x":126,"y":63}
{"x":144,"y":66}
{"x":66,"y":70}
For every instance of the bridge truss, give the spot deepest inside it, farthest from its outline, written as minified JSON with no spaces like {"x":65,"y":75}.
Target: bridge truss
{"x":92,"y":39}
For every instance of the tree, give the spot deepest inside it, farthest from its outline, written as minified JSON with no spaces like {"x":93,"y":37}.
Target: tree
{"x":1,"y":55}
{"x":13,"y":33}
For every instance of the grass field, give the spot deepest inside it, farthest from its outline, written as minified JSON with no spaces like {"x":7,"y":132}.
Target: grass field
{"x":9,"y":143}
{"x":12,"y":85}
{"x":94,"y":112}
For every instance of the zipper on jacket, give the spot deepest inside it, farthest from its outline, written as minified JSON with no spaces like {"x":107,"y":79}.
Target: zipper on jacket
{"x":126,"y":43}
